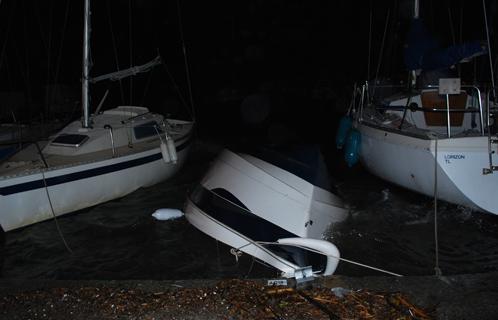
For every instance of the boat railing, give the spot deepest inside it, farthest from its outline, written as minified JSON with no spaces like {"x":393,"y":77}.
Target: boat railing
{"x":491,"y":110}
{"x":366,"y":96}
{"x":135,"y":117}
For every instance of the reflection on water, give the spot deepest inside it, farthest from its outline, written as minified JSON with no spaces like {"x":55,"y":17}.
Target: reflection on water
{"x":388,"y":228}
{"x":121,"y":240}
{"x":392,"y":228}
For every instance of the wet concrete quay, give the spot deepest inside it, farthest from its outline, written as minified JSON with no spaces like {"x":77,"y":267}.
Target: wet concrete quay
{"x":470,"y":296}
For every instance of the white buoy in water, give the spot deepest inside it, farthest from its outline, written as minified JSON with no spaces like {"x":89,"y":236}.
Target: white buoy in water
{"x":167,"y":214}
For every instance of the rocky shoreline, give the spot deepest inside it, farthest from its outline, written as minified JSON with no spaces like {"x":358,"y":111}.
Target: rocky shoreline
{"x":470,"y":296}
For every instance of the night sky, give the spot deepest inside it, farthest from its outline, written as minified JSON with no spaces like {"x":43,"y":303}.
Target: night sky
{"x":297,"y":59}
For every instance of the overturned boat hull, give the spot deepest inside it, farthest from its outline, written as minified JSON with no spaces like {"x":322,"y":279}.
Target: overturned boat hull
{"x":251,"y":204}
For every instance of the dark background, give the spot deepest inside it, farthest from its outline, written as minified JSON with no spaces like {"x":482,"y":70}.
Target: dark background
{"x":272,"y":69}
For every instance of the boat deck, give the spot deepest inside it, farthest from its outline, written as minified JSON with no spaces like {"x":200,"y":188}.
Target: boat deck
{"x":393,"y":125}
{"x":29,"y":161}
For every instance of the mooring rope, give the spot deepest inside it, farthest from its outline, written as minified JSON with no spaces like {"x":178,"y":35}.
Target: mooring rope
{"x":283,"y":261}
{"x":269,"y":252}
{"x":338,"y":258}
{"x":50,"y":200}
{"x":251,"y":242}
{"x":53,"y":214}
{"x":436,"y":241}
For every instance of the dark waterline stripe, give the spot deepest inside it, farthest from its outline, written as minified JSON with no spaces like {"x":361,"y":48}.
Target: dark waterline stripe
{"x":229,"y":212}
{"x":37,"y":184}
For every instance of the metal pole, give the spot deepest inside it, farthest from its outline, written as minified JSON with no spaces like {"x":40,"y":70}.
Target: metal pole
{"x":448,"y":119}
{"x":108,"y":127}
{"x":490,"y":152}
{"x":481,"y":117}
{"x":489,"y":51}
{"x":85,"y":103}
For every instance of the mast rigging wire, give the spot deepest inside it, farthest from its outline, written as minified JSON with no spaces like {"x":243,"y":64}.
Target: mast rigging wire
{"x":369,"y":42}
{"x":130,"y":21}
{"x":381,"y":49}
{"x":59,"y":55}
{"x":26,"y":57}
{"x":115,"y":49}
{"x":187,"y":71}
{"x":49,"y":54}
{"x":147,"y":86}
{"x":177,"y":89}
{"x":493,"y":89}
{"x":9,"y":23}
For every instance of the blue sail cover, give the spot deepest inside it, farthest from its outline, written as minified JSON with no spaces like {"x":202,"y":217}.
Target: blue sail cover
{"x":423,"y":52}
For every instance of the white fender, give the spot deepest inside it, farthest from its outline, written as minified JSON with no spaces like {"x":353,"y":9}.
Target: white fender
{"x":324,"y":247}
{"x":167,"y":214}
{"x":165,"y":152}
{"x":172,"y":149}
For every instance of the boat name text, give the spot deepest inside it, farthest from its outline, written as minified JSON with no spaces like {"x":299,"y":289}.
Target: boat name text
{"x":449,"y":157}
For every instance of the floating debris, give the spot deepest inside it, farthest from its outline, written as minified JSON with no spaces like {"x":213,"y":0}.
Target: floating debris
{"x":228,"y":299}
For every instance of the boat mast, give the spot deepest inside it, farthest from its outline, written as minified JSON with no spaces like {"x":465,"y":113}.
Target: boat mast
{"x":85,"y":103}
{"x":416,"y":15}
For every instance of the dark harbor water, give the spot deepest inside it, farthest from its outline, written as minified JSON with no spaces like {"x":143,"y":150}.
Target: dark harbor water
{"x":389,"y":228}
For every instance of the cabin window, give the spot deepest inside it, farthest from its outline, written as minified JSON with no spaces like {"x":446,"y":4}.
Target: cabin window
{"x":146,"y":130}
{"x":218,"y":200}
{"x":69,"y":140}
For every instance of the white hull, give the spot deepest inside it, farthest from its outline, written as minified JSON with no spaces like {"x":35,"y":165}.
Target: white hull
{"x":24,"y":199}
{"x":248,"y":203}
{"x":234,"y":239}
{"x":409,"y":161}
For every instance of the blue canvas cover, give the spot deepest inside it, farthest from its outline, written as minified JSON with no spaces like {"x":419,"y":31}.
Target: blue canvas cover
{"x":423,"y":52}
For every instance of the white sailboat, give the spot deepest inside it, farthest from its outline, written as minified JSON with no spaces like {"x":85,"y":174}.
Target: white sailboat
{"x":272,"y":207}
{"x":436,"y":139}
{"x":104,"y":156}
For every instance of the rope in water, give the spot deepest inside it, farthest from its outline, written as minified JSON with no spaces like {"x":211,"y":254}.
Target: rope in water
{"x":436,"y":241}
{"x":259,"y":243}
{"x":53,"y":214}
{"x":50,"y":200}
{"x":341,"y":259}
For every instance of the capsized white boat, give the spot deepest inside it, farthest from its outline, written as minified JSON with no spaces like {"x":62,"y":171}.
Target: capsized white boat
{"x":436,"y":139}
{"x":102,"y":157}
{"x":271,"y":206}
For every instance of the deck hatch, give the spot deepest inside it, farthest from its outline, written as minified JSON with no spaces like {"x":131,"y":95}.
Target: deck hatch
{"x":69,"y":140}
